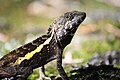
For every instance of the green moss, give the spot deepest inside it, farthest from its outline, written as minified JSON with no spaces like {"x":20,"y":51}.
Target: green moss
{"x":34,"y":75}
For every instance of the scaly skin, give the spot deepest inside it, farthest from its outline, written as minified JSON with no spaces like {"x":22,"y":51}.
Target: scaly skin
{"x":19,"y":63}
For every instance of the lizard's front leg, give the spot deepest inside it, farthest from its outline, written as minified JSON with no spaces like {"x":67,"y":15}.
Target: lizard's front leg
{"x":60,"y":68}
{"x":42,"y":74}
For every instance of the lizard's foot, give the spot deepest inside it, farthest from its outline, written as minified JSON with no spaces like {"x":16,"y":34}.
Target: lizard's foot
{"x":42,"y":74}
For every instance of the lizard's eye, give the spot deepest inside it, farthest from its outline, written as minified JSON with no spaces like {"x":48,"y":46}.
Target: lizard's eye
{"x":67,"y":17}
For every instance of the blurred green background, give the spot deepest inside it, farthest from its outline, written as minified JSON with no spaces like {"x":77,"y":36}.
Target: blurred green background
{"x":22,"y":21}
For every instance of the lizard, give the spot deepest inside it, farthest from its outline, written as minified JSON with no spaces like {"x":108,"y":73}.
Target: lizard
{"x":20,"y":63}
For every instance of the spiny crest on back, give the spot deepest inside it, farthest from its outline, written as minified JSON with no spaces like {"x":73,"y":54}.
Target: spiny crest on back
{"x":49,"y":30}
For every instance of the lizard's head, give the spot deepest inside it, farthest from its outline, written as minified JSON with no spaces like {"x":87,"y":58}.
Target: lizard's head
{"x":66,"y":26}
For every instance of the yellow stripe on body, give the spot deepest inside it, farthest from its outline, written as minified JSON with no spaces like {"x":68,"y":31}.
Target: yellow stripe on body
{"x":29,"y":55}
